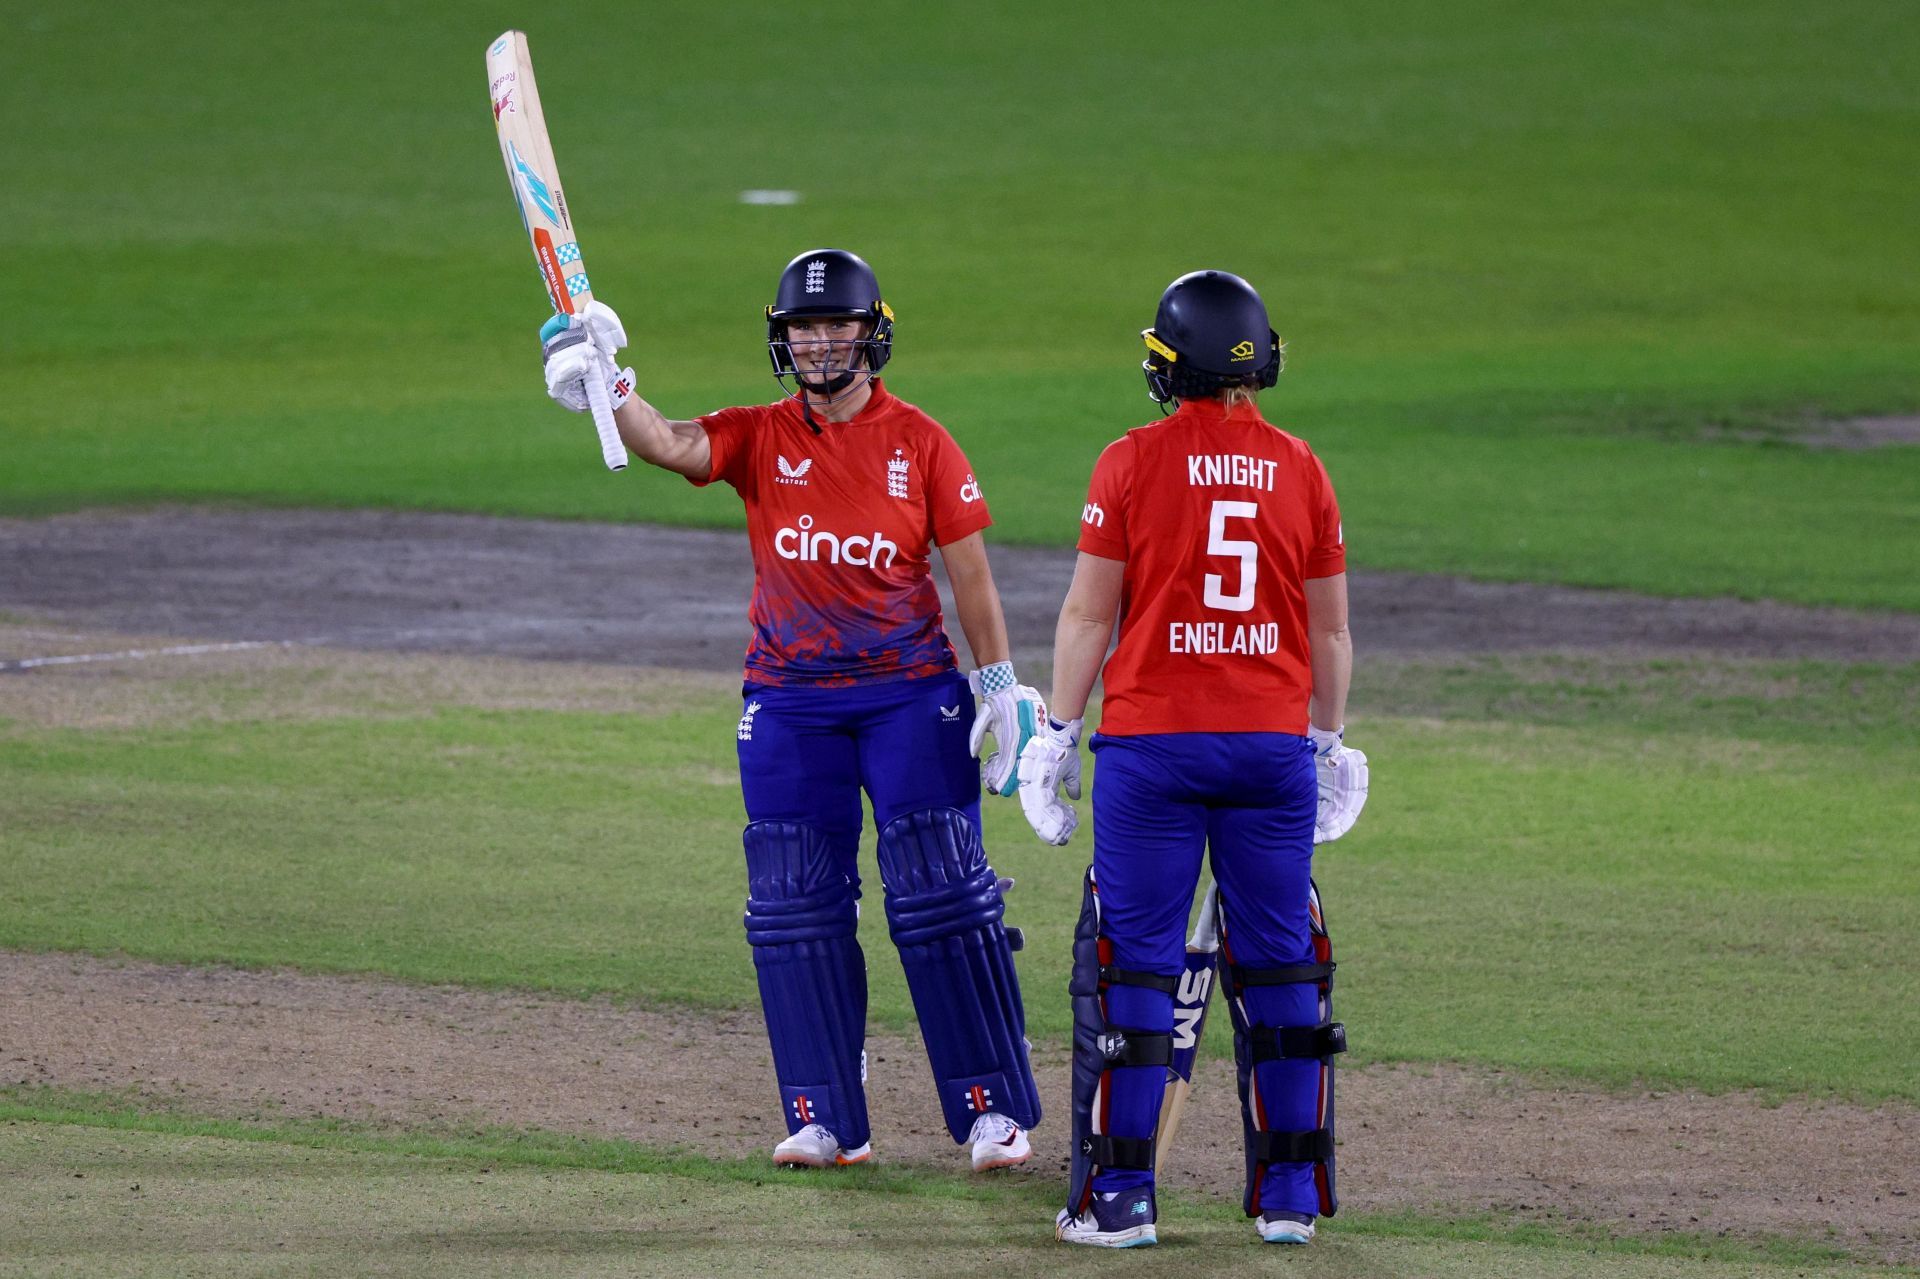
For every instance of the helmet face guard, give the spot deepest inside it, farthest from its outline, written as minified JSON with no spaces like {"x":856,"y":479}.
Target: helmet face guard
{"x":829,"y":284}
{"x":865,"y":356}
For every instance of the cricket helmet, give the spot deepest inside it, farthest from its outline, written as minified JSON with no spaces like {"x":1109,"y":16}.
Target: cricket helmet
{"x":1211,"y":331}
{"x":830,"y":282}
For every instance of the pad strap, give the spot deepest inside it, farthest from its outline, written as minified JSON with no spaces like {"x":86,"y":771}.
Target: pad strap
{"x":1283,"y":1043}
{"x":1291,"y":1147}
{"x":1121,"y":1047}
{"x":1118,"y":1152}
{"x":1162,"y":982}
{"x":1243,"y":976}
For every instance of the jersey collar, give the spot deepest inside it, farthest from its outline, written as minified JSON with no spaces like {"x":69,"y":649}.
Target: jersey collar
{"x":1212,"y":410}
{"x":877,"y":403}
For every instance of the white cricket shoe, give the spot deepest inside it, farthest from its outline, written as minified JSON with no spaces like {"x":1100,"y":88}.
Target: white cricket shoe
{"x":815,"y":1147}
{"x":1124,"y":1219}
{"x":998,"y":1142}
{"x":1285,"y":1227}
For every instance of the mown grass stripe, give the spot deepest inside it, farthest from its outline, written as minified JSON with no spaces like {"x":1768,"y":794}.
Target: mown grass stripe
{"x":537,"y":1148}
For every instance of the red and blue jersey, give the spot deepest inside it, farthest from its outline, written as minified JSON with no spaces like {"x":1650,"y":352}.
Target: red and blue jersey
{"x":841,"y":524}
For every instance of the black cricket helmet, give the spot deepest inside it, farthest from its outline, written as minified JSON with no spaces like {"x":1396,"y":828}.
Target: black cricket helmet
{"x":1211,"y":331}
{"x":830,"y":282}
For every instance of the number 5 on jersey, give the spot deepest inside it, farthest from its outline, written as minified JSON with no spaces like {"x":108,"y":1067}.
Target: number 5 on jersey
{"x":1248,"y":553}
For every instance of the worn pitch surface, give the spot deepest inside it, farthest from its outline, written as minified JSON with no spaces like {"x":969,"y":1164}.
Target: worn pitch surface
{"x":1442,"y":1138}
{"x":647,"y":595}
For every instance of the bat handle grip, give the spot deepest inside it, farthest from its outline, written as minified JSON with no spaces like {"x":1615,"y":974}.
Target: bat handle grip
{"x":612,"y":451}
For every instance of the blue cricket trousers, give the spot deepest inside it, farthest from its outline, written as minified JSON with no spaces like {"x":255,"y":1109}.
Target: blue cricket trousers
{"x":1248,"y":800}
{"x":806,"y":753}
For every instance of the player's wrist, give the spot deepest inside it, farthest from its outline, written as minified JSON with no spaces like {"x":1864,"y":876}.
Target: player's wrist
{"x":995,"y":677}
{"x":1326,"y":740}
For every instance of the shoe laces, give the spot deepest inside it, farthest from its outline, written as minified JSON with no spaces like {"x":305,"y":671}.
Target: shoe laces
{"x":992,"y":1126}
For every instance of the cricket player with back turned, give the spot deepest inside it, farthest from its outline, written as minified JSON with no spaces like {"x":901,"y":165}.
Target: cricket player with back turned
{"x":851,"y":685}
{"x":1214,"y":540}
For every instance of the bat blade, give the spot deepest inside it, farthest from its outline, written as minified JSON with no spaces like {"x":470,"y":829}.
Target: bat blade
{"x":528,"y":155}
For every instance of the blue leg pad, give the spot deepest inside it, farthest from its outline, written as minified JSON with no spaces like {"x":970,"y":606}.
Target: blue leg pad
{"x":1284,"y":1043}
{"x":1122,"y":1048}
{"x":944,"y":910}
{"x":813,"y":979}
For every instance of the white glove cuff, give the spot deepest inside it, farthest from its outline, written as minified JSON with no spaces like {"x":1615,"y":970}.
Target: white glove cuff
{"x":1065,"y":734}
{"x":1325,"y":741}
{"x":992,"y":679}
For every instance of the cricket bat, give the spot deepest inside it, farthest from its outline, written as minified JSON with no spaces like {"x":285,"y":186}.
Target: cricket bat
{"x":1190,"y":1017}
{"x":543,"y":206}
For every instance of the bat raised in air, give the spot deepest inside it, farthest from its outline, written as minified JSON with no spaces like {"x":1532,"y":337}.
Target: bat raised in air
{"x":543,"y":206}
{"x":1190,"y":1016}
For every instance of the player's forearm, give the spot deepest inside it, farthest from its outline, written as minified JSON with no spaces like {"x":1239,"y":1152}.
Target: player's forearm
{"x":976,"y":600}
{"x":1330,"y":646}
{"x":1080,"y":639}
{"x":1332,"y":673}
{"x":675,"y":446}
{"x":985,"y":628}
{"x":1079,"y":646}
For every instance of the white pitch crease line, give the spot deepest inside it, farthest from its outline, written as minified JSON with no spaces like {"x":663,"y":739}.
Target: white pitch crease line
{"x":177,"y":650}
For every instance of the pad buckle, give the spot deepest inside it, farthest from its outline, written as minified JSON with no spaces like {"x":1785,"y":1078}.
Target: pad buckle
{"x":1120,"y":1047}
{"x":1293,"y":1043}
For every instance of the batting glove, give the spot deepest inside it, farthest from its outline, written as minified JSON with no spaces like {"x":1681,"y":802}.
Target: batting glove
{"x":1342,"y":776}
{"x":1011,"y":711}
{"x":1049,"y":761}
{"x":584,"y":345}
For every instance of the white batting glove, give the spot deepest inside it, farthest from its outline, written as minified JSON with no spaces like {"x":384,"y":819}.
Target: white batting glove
{"x":1048,"y":762}
{"x":1342,"y":775}
{"x":584,"y":345}
{"x":1012,"y":712}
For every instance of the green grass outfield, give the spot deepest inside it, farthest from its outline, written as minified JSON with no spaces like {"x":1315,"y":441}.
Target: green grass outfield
{"x":1617,"y":895}
{"x":1523,"y":252}
{"x":108,"y":1193}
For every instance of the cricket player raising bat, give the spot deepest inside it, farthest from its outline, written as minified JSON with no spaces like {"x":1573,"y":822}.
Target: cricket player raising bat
{"x":1213,"y":538}
{"x":851,"y":685}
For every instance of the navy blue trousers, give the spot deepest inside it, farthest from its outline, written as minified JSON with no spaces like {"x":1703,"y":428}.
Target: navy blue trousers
{"x":1247,"y":800}
{"x":806,"y":754}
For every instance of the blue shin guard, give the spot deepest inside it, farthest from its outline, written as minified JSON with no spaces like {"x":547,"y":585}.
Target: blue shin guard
{"x":1284,"y":1043}
{"x":944,"y":910}
{"x":813,"y":978}
{"x":1122,"y":1046}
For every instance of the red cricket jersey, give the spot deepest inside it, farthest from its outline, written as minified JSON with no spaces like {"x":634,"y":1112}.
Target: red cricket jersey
{"x":1221,"y":518}
{"x":840,"y":525}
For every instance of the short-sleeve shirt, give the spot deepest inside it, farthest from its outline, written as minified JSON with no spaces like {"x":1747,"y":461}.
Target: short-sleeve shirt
{"x":841,"y":524}
{"x":1221,"y":518}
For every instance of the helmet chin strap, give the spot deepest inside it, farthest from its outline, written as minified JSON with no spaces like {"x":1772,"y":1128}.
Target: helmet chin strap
{"x":833,"y":385}
{"x":827,"y":390}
